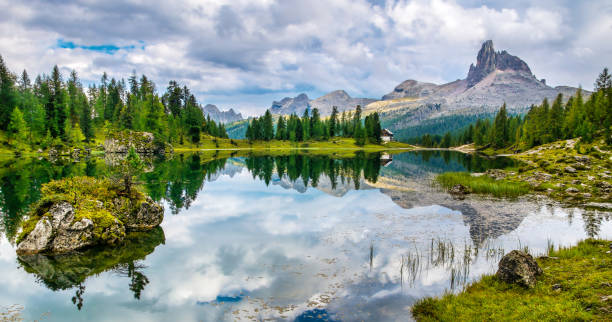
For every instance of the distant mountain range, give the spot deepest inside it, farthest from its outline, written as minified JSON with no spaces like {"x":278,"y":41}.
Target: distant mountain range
{"x":325,"y":103}
{"x":415,"y":108}
{"x":217,"y":115}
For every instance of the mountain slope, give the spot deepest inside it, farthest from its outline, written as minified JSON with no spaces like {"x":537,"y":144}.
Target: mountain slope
{"x":298,"y":104}
{"x":497,"y":78}
{"x":221,"y":116}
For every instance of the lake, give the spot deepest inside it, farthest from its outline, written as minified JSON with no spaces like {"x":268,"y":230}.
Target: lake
{"x":294,"y":237}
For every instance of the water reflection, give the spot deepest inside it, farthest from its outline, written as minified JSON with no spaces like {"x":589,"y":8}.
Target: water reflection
{"x":66,"y":271}
{"x":286,"y":237}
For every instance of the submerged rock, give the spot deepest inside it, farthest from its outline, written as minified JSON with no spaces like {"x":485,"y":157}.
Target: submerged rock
{"x":79,"y":212}
{"x":518,"y":267}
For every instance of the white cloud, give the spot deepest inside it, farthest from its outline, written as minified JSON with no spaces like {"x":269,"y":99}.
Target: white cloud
{"x":243,"y":54}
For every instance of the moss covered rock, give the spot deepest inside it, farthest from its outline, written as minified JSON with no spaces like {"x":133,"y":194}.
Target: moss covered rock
{"x":143,"y":142}
{"x":78,"y":212}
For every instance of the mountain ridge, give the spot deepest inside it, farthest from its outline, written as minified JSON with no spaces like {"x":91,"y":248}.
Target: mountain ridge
{"x":224,"y":117}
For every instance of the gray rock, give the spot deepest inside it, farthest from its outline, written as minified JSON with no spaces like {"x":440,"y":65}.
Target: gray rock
{"x":77,"y":235}
{"x":572,"y":190}
{"x":142,"y":142}
{"x":496,"y":174}
{"x":149,"y":215}
{"x":569,"y":169}
{"x":488,"y":61}
{"x":582,"y":158}
{"x":58,"y":232}
{"x":39,"y":240}
{"x":518,"y":267}
{"x":459,"y":189}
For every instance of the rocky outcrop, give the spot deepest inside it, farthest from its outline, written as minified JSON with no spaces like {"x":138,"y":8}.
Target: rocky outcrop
{"x":58,"y":231}
{"x":411,"y":88}
{"x":488,"y":61}
{"x":143,"y":143}
{"x":219,"y":116}
{"x":79,"y":212}
{"x":518,"y":267}
{"x":289,"y":105}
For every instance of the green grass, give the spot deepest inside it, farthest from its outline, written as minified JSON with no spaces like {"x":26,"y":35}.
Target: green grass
{"x":584,"y":273}
{"x":212,"y":143}
{"x":483,"y":184}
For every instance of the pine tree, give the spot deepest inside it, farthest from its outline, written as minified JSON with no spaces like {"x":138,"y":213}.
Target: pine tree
{"x":17,"y":130}
{"x":281,"y":129}
{"x":7,"y":95}
{"x":268,"y":126}
{"x":333,"y":122}
{"x":500,"y":128}
{"x":604,"y":81}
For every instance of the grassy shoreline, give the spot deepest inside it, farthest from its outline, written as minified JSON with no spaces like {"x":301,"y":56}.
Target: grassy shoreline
{"x":576,"y":286}
{"x":568,"y":171}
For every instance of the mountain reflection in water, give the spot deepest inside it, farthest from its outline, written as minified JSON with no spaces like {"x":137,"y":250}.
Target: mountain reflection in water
{"x":290,"y":237}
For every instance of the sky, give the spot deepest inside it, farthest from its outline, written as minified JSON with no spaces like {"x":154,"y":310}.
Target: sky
{"x":244,"y":54}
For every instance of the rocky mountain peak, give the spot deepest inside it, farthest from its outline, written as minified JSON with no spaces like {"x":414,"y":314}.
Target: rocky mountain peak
{"x":488,"y":60}
{"x":217,"y":115}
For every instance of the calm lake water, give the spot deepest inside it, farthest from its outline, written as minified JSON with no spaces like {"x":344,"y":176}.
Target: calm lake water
{"x":279,"y":238}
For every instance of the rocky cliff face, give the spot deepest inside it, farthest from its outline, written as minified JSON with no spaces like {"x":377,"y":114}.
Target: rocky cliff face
{"x":497,"y":78}
{"x":341,"y":99}
{"x":411,"y":88}
{"x":219,"y":116}
{"x":289,"y":105}
{"x":488,"y":61}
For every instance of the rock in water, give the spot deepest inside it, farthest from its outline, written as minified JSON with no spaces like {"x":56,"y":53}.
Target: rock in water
{"x":100,"y":213}
{"x":518,"y":267}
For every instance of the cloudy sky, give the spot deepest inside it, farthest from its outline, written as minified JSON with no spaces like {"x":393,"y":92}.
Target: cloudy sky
{"x":246,"y":53}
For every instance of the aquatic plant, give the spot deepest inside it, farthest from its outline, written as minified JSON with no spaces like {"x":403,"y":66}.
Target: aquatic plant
{"x":483,"y":184}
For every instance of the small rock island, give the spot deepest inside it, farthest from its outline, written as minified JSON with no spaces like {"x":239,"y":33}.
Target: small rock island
{"x":80,"y":212}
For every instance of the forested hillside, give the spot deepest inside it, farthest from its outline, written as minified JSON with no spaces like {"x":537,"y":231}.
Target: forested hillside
{"x":54,"y":111}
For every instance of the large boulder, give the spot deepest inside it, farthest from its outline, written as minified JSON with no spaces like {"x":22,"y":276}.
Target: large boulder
{"x":142,"y":142}
{"x":518,"y":267}
{"x":58,"y":232}
{"x":79,"y":212}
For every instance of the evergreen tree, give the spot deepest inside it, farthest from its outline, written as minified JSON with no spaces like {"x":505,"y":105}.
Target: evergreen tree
{"x":268,"y":126}
{"x":604,"y":81}
{"x":500,"y":128}
{"x":17,"y":130}
{"x":333,"y":122}
{"x":281,"y":129}
{"x":7,"y":95}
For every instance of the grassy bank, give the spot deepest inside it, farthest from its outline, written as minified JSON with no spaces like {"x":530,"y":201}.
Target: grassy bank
{"x":569,"y":171}
{"x":483,"y":184}
{"x":576,"y":286}
{"x":212,"y":143}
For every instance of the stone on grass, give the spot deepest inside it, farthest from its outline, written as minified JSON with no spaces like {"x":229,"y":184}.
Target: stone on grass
{"x":518,"y":267}
{"x":459,"y":189}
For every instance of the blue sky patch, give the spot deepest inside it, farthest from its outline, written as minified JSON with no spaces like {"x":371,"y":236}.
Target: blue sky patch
{"x":107,"y":49}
